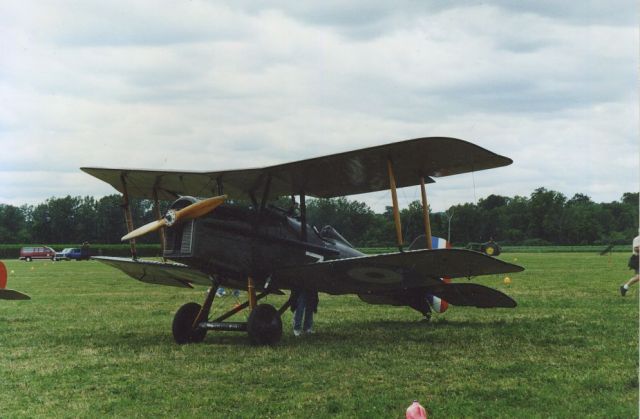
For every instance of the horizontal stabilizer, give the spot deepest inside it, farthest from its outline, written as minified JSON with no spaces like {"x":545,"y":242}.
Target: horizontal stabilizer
{"x":6,"y":294}
{"x":472,"y":295}
{"x":160,"y":273}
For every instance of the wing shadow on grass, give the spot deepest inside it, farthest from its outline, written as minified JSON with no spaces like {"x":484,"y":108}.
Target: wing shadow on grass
{"x":380,"y":332}
{"x":388,"y":332}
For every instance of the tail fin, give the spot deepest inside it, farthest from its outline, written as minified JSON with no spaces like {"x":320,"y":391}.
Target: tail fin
{"x":437,"y":304}
{"x":420,"y":242}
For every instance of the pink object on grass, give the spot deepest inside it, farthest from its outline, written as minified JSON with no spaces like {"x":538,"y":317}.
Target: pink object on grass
{"x":416,"y":411}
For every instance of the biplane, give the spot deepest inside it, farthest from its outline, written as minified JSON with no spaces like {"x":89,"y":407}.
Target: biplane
{"x":209,"y":239}
{"x":5,"y":293}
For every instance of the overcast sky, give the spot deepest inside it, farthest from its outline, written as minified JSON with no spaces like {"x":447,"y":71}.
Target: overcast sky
{"x":205,"y":85}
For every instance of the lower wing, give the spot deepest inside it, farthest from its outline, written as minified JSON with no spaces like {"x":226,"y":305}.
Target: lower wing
{"x":6,"y":294}
{"x":393,"y":273}
{"x":470,"y":295}
{"x":160,"y":273}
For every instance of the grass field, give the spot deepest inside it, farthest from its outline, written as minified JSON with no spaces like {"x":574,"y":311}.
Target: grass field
{"x":93,"y":343}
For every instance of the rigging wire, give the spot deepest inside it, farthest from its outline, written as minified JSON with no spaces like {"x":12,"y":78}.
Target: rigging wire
{"x":475,"y":197}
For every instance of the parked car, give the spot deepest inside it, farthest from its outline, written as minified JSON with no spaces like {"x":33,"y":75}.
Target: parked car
{"x":37,"y":252}
{"x":72,"y":253}
{"x":64,"y":254}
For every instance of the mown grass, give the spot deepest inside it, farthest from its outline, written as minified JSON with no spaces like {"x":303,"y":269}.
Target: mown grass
{"x":92,"y":343}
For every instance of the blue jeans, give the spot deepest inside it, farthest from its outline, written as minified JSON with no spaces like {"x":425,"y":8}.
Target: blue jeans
{"x":302,"y":309}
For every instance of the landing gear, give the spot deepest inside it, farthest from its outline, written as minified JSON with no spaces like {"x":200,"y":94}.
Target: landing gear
{"x":264,"y":326}
{"x":183,"y":330}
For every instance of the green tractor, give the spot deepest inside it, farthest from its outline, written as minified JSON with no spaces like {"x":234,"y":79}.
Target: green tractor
{"x":490,"y":248}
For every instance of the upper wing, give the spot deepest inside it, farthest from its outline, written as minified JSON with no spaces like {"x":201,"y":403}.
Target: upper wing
{"x":6,"y":294}
{"x":161,"y":273}
{"x":349,"y":173}
{"x":390,"y":273}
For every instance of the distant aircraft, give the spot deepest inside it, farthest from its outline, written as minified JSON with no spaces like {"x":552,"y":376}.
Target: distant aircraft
{"x":262,"y":248}
{"x":7,"y":294}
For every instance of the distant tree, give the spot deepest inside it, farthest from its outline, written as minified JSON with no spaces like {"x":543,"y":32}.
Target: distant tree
{"x":13,"y":224}
{"x":110,"y":226}
{"x":579,"y":199}
{"x":41,"y":224}
{"x":350,"y":218}
{"x":516,"y":220}
{"x":583,"y":221}
{"x":630,"y":198}
{"x":492,"y":201}
{"x":467,"y":226}
{"x":86,"y":223}
{"x":546,"y":215}
{"x":412,"y":220}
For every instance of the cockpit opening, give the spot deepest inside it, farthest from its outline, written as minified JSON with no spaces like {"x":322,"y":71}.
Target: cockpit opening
{"x":329,"y":233}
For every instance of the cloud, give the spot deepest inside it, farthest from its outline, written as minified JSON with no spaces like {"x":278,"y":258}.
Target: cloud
{"x":208,"y":86}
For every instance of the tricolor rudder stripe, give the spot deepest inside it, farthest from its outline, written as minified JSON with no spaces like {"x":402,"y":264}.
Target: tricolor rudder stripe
{"x":439,"y":243}
{"x":437,"y":304}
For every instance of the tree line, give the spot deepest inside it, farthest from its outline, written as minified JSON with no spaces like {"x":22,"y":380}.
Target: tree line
{"x":544,"y":217}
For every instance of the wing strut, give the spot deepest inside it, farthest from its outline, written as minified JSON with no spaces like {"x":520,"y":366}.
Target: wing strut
{"x":425,"y":213}
{"x":251,"y":291}
{"x":128,"y":218}
{"x":156,"y":209}
{"x":394,"y":199}
{"x":303,"y":217}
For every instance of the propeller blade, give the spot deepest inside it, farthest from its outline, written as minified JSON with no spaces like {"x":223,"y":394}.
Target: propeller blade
{"x":198,"y":209}
{"x":195,"y":210}
{"x":147,"y":228}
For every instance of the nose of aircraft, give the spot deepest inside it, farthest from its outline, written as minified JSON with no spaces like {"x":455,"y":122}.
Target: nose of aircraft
{"x":195,"y":210}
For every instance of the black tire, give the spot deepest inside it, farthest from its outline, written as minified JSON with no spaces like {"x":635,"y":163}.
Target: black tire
{"x":264,"y":325}
{"x":492,"y":250}
{"x":28,"y":259}
{"x":183,"y":322}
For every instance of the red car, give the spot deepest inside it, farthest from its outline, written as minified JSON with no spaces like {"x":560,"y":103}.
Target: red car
{"x":40,"y":252}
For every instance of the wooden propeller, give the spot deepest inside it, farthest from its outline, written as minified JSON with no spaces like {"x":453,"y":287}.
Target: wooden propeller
{"x":195,"y":210}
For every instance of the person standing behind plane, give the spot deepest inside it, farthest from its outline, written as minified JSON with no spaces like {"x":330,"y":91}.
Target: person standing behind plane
{"x":633,"y":264}
{"x":303,"y":304}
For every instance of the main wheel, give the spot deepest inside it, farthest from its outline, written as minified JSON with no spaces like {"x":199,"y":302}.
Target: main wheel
{"x":28,"y":258}
{"x":264,"y":325}
{"x":182,"y":327}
